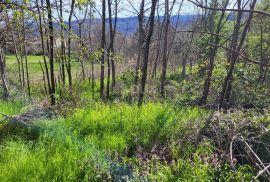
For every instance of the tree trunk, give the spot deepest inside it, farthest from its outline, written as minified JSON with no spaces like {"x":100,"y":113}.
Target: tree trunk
{"x":140,"y":43}
{"x":165,"y":54}
{"x":51,"y":55}
{"x":157,"y":58}
{"x":43,"y":44}
{"x":146,"y":48}
{"x":112,"y":44}
{"x":62,"y":44}
{"x":3,"y":75}
{"x":69,"y":46}
{"x":25,"y":57}
{"x":227,"y":85}
{"x":16,"y":49}
{"x":212,"y":54}
{"x":102,"y":46}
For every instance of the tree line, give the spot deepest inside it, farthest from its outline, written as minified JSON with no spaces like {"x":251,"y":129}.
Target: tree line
{"x":236,"y":30}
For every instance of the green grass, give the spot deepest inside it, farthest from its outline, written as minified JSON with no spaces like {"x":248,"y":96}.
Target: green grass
{"x":33,"y":64}
{"x":57,"y":155}
{"x":104,"y":142}
{"x":145,"y":126}
{"x":36,"y":75}
{"x":113,"y":141}
{"x":35,"y":71}
{"x":11,"y":107}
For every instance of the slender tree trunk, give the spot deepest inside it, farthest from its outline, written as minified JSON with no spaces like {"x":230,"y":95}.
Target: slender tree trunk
{"x":69,"y":46}
{"x":81,"y":51}
{"x":164,"y":54}
{"x":108,"y":74}
{"x":93,"y":79}
{"x":62,"y":44}
{"x":43,"y":44}
{"x":22,"y":67}
{"x":44,"y":78}
{"x":3,"y":75}
{"x":92,"y":63}
{"x":146,"y":48}
{"x":16,"y":49}
{"x":157,"y":58}
{"x":102,"y":46}
{"x":110,"y":51}
{"x":112,"y":43}
{"x":212,"y":55}
{"x":184,"y":63}
{"x":25,"y":58}
{"x":227,"y":85}
{"x":20,"y":38}
{"x":81,"y":59}
{"x":140,"y":43}
{"x":51,"y":55}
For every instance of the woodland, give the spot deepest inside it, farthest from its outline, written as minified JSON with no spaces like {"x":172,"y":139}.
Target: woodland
{"x":134,"y":90}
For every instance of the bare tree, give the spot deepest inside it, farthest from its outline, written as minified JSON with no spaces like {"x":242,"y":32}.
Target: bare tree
{"x":3,"y":72}
{"x":146,"y":47}
{"x":82,"y":47}
{"x":102,"y":47}
{"x":167,"y":18}
{"x":51,"y":48}
{"x":40,"y":28}
{"x":69,"y":45}
{"x":214,"y":43}
{"x":110,"y":50}
{"x":140,"y":41}
{"x":63,"y":47}
{"x":227,"y":85}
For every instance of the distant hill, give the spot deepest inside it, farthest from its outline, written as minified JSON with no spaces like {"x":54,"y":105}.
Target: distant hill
{"x":131,"y":24}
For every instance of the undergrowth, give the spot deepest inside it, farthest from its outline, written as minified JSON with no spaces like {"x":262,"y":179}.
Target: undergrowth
{"x":117,"y":142}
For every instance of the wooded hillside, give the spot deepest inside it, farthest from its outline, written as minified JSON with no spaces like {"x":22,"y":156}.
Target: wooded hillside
{"x":178,"y":90}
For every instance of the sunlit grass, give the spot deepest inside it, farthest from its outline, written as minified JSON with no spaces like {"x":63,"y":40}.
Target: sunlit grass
{"x":152,"y":123}
{"x":98,"y":141}
{"x":57,"y":155}
{"x":11,"y":107}
{"x":35,"y":70}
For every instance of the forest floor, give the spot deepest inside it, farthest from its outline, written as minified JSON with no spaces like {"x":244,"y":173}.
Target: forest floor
{"x":117,"y":141}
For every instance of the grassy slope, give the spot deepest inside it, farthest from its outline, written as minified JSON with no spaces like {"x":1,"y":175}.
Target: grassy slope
{"x":37,"y":82}
{"x":35,"y":70}
{"x":35,"y":73}
{"x":11,"y":107}
{"x":112,"y":142}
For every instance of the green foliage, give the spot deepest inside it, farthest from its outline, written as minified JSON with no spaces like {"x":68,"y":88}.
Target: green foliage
{"x":94,"y":141}
{"x":130,"y":125}
{"x":253,"y":92}
{"x":127,"y":78}
{"x":58,"y":155}
{"x":11,"y":107}
{"x":112,"y":142}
